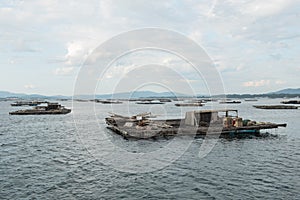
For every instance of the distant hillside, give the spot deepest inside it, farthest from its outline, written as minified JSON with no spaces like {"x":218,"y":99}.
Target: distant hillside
{"x":139,"y":94}
{"x":288,"y":91}
{"x":124,"y":95}
{"x":5,"y":94}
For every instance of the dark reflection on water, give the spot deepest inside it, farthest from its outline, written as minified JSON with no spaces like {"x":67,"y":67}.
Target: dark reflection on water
{"x":42,"y":158}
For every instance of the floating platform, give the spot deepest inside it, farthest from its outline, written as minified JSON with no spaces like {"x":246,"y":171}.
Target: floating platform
{"x":50,"y":109}
{"x":28,"y":103}
{"x":165,"y":100}
{"x":189,"y":104}
{"x":291,"y":102}
{"x":230,"y":102}
{"x":275,"y":107}
{"x":108,"y":101}
{"x":150,"y":102}
{"x":251,"y":100}
{"x":194,"y":123}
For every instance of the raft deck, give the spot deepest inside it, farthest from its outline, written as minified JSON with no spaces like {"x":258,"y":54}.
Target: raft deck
{"x":275,"y":107}
{"x":139,"y":129}
{"x":50,"y":109}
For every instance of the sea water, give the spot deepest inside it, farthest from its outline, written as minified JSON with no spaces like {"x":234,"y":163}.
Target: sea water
{"x":47,"y":157}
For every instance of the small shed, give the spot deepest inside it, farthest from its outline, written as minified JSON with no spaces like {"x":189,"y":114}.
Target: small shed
{"x":194,"y":118}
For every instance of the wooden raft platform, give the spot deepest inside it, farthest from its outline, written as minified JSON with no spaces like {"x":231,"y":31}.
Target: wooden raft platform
{"x":147,"y":134}
{"x":275,"y":107}
{"x":141,"y":127}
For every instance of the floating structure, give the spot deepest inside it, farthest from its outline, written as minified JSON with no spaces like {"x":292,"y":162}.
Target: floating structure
{"x":189,"y":104}
{"x":108,"y":101}
{"x":275,"y":107}
{"x":28,"y":103}
{"x":230,"y":102}
{"x":196,"y":101}
{"x":208,"y":100}
{"x":49,"y":109}
{"x":82,"y":100}
{"x":251,"y":100}
{"x":291,"y":102}
{"x":165,"y":100}
{"x":150,"y":102}
{"x":212,"y":122}
{"x":160,"y":99}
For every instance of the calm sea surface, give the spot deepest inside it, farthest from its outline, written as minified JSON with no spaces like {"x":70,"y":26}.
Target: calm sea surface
{"x":43,"y":157}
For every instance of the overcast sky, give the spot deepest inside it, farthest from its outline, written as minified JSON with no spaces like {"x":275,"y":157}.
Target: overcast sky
{"x":254,"y":44}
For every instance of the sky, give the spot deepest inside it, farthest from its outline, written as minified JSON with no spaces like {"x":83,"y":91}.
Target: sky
{"x":253,"y":44}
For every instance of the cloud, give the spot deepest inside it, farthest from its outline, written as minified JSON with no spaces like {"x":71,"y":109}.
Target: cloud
{"x":245,"y":38}
{"x":280,"y":82}
{"x":24,"y":46}
{"x":264,"y":8}
{"x":140,"y":58}
{"x":12,"y":61}
{"x":64,"y":71}
{"x":150,"y":75}
{"x":77,"y":52}
{"x":29,"y":86}
{"x":256,"y":83}
{"x":119,"y":71}
{"x":196,"y":35}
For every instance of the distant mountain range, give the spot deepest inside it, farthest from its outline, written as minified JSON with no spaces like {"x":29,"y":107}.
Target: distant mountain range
{"x":124,"y":95}
{"x":142,"y":94}
{"x":4,"y":94}
{"x":288,"y":91}
{"x":139,"y":94}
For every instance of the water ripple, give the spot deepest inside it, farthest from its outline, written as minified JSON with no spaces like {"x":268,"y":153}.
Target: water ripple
{"x":42,"y":158}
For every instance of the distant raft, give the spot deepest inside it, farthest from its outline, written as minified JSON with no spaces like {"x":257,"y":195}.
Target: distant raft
{"x":230,"y":102}
{"x":274,"y":107}
{"x":49,"y":109}
{"x":150,"y":102}
{"x":291,"y":102}
{"x":108,"y":101}
{"x":28,"y":103}
{"x":189,"y":104}
{"x":251,"y":100}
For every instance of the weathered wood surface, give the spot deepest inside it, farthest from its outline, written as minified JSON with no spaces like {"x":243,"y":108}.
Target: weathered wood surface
{"x":37,"y":112}
{"x":291,"y":102}
{"x":275,"y":107}
{"x":165,"y":128}
{"x":189,"y":104}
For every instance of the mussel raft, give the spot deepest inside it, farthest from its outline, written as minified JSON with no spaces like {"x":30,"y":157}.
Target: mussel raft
{"x":212,"y":122}
{"x":49,"y":109}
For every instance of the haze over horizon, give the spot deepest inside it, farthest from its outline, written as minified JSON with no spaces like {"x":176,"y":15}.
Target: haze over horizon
{"x":144,"y":93}
{"x":253,"y":44}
